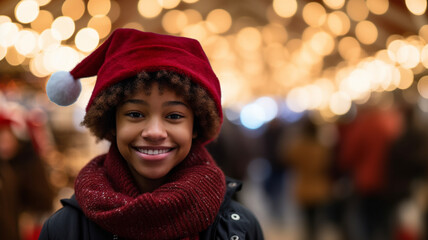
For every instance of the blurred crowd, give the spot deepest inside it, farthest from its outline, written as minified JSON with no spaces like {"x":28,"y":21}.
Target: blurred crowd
{"x":26,"y":193}
{"x":363,"y":176}
{"x":38,"y":159}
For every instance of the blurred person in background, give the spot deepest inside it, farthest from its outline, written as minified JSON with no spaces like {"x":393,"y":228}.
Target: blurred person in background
{"x":25,"y":192}
{"x":407,"y":173}
{"x":231,"y":150}
{"x":364,"y":148}
{"x":309,"y":159}
{"x":274,"y":184}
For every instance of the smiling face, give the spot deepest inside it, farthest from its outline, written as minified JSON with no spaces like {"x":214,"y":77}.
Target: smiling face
{"x":154,"y":134}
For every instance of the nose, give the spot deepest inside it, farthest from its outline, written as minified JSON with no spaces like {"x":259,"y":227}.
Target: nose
{"x":154,"y":130}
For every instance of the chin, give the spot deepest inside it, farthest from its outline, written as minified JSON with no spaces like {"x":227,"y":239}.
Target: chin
{"x":154,"y":176}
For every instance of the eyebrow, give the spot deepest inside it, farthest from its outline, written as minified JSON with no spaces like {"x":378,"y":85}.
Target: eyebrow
{"x":175,"y":103}
{"x":166,"y":104}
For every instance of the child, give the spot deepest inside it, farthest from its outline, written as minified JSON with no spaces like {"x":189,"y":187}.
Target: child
{"x":157,"y":100}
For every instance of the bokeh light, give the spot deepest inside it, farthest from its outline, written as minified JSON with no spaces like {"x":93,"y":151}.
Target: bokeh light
{"x":338,"y":23}
{"x":408,"y":56}
{"x":13,"y":57}
{"x":3,"y":52}
{"x":340,"y":103}
{"x":406,"y":78}
{"x":4,"y":18}
{"x":274,"y":33}
{"x":64,"y":26}
{"x":87,"y":39}
{"x":174,"y":21}
{"x":252,"y":116}
{"x":197,"y":31}
{"x":64,"y":58}
{"x":26,"y":11}
{"x":47,"y":39}
{"x":149,"y":8}
{"x":334,"y":4}
{"x":285,"y":8}
{"x":73,"y":9}
{"x":417,"y":7}
{"x":134,"y":25}
{"x":423,"y":32}
{"x":378,"y":7}
{"x":423,"y":87}
{"x":101,"y":24}
{"x":349,"y":48}
{"x":169,"y":4}
{"x":314,"y":14}
{"x":26,"y":42}
{"x":424,"y":56}
{"x":357,"y":10}
{"x":219,"y":21}
{"x":8,"y":34}
{"x":43,"y":21}
{"x":193,"y":16}
{"x":322,"y":43}
{"x":98,"y":7}
{"x":249,"y":39}
{"x":298,"y":100}
{"x":37,"y":66}
{"x":366,"y":32}
{"x":269,"y":106}
{"x":114,"y":13}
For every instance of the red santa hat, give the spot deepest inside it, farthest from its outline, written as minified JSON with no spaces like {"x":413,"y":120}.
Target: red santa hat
{"x":126,"y":53}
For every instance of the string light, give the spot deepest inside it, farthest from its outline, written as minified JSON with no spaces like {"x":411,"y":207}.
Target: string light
{"x":244,"y":55}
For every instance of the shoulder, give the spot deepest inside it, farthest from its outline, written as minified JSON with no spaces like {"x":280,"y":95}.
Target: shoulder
{"x":240,"y":222}
{"x":62,"y":224}
{"x":234,"y":221}
{"x":69,"y":223}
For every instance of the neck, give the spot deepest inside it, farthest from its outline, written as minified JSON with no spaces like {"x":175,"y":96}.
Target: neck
{"x":146,"y":184}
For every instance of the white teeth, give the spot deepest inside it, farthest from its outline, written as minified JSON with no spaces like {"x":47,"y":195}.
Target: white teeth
{"x":153,"y":151}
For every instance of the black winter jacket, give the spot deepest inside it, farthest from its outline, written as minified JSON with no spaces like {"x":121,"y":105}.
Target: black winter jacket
{"x":234,"y":222}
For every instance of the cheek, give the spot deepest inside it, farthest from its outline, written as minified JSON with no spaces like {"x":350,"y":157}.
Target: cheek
{"x":124,"y":132}
{"x":186,"y":133}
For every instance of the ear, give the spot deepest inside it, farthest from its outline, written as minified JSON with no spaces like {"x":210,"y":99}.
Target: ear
{"x":195,"y":134}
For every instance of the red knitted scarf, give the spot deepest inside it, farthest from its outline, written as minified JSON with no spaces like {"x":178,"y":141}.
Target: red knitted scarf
{"x":180,"y":209}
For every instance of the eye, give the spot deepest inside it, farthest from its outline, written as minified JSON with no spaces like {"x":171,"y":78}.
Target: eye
{"x":174,"y":116}
{"x":134,"y":115}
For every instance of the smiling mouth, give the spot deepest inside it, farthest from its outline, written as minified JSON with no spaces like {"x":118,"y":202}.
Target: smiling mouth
{"x":152,"y":151}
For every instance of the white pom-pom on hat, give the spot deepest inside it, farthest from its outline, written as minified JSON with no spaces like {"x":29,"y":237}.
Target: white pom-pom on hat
{"x":63,"y":89}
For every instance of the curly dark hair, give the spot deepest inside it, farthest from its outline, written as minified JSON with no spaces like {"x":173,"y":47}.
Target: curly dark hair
{"x":100,"y":116}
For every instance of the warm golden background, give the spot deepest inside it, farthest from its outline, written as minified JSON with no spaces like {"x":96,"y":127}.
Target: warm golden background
{"x":347,"y":68}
